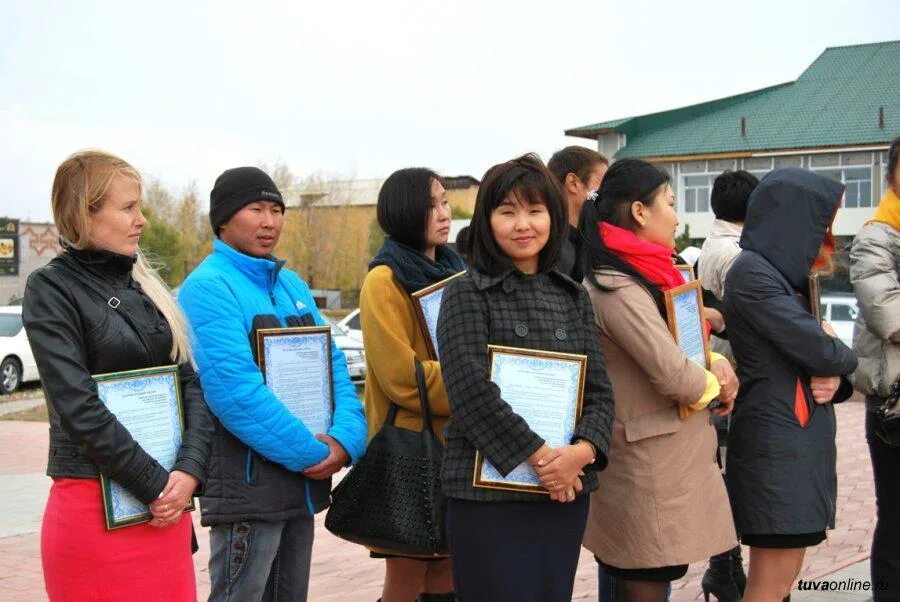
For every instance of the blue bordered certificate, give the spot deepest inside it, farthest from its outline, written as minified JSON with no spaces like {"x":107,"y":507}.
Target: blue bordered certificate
{"x":547,"y":390}
{"x":148,"y":403}
{"x":684,"y":309}
{"x":427,"y":303}
{"x":686,"y":271}
{"x":296,"y":365}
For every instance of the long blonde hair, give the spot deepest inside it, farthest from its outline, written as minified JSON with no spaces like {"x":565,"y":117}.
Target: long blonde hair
{"x":79,"y":189}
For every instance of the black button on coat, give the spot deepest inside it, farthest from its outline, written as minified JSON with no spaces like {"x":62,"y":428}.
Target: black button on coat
{"x":781,"y":465}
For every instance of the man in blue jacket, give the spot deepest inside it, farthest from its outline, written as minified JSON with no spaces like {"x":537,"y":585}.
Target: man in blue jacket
{"x":268,"y":473}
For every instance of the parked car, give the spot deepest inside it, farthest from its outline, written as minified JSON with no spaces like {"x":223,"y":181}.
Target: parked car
{"x":840,"y":310}
{"x":352,"y":348}
{"x":17,"y":365}
{"x":351,"y":324}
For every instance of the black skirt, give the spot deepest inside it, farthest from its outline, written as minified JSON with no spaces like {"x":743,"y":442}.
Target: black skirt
{"x":515,"y":551}
{"x":779,"y":541}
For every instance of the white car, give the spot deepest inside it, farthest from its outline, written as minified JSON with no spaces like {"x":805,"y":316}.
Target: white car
{"x":352,"y":348}
{"x":17,"y":364}
{"x":840,"y":311}
{"x":351,"y":324}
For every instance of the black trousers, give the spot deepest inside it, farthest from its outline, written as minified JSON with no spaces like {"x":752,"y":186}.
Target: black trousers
{"x":515,"y":551}
{"x":885,"y":560}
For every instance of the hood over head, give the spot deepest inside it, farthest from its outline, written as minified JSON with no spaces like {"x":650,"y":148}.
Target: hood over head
{"x":788,"y":216}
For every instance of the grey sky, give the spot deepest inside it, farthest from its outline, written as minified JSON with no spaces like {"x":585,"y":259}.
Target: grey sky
{"x":183,"y":90}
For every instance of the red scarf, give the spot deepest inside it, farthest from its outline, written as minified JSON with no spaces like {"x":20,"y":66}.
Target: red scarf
{"x":651,"y":260}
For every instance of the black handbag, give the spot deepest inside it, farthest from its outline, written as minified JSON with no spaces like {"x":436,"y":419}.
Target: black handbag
{"x":392,"y":498}
{"x":887,"y":417}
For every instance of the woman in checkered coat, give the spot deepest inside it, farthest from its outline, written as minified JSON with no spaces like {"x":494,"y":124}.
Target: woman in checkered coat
{"x":508,"y":545}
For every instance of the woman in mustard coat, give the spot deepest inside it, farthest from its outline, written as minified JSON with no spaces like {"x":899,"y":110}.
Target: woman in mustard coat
{"x":414,"y":213}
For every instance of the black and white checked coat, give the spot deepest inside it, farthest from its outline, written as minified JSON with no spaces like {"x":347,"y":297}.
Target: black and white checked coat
{"x":547,"y":312}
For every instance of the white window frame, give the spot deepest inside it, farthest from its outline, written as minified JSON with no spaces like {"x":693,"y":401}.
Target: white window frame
{"x":842,"y":168}
{"x":684,"y":189}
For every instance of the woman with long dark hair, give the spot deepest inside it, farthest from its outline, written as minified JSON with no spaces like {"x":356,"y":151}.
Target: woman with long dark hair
{"x":661,"y":503}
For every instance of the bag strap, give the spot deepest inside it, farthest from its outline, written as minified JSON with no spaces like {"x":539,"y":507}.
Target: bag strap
{"x":423,"y":402}
{"x":423,"y":398}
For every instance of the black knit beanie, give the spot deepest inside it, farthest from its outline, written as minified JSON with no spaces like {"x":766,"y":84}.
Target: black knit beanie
{"x":238,"y":187}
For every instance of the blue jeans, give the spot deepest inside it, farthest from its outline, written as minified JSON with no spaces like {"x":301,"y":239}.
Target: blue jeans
{"x":257,"y":560}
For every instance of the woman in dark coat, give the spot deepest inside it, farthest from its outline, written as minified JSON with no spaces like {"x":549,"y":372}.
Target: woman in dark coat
{"x":99,"y":308}
{"x":781,"y":447}
{"x":511,"y":546}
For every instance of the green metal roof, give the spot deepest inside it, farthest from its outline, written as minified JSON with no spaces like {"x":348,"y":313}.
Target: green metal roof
{"x":835,"y":102}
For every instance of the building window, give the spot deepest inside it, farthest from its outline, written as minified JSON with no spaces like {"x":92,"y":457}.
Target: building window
{"x":858,"y":184}
{"x":697,"y":189}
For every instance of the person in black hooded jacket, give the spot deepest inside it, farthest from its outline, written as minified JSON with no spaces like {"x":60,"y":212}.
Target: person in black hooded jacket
{"x":781,"y":468}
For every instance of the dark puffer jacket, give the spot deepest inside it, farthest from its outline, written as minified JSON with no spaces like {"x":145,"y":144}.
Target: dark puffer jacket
{"x":75,"y":333}
{"x":781,"y":448}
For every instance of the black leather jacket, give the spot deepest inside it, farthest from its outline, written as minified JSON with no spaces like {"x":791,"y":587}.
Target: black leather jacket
{"x":75,"y":333}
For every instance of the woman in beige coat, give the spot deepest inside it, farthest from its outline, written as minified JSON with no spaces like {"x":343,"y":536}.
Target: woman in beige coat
{"x":661,"y":503}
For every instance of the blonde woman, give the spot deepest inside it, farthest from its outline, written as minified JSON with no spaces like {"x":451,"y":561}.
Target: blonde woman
{"x":75,"y":331}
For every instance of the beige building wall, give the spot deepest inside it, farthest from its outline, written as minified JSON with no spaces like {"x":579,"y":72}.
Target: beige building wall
{"x":463,"y":198}
{"x":329,"y":246}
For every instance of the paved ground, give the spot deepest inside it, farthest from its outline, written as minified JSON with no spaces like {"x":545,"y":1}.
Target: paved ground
{"x":342,"y":571}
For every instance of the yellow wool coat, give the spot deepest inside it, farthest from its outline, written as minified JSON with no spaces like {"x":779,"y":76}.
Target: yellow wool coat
{"x":393,"y":341}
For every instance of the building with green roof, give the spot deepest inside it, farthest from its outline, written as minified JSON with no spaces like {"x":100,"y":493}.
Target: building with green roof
{"x":838,"y":117}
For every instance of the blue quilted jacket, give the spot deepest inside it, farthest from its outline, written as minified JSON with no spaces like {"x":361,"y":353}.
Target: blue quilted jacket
{"x":260,"y":449}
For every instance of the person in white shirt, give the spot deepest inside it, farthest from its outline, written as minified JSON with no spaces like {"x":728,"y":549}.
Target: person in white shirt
{"x":725,"y":576}
{"x":730,"y":193}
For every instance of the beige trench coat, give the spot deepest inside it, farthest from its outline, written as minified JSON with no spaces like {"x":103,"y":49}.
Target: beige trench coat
{"x":661,"y":501}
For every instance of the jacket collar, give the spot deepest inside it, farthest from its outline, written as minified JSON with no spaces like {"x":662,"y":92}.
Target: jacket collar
{"x":511,"y":277}
{"x":111,"y":267}
{"x":722,"y":229}
{"x":262,"y":271}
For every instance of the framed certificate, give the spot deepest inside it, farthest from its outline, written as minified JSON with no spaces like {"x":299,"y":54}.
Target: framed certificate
{"x":686,"y":271}
{"x":296,"y":365}
{"x":815,"y":296}
{"x":684,"y":309}
{"x":427,"y":302}
{"x":147,"y":403}
{"x":546,"y":389}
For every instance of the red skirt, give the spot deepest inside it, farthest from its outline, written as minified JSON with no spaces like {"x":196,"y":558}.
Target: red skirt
{"x":84,"y":562}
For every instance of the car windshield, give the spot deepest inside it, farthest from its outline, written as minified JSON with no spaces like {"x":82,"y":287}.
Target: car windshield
{"x":336,"y":329}
{"x":10,"y":325}
{"x":843,"y":313}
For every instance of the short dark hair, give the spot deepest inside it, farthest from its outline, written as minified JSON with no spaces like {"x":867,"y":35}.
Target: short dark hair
{"x":462,"y":243}
{"x":404,"y":205}
{"x":533,"y":183}
{"x":730,"y":192}
{"x":893,"y":156}
{"x":578,"y":160}
{"x":627,"y":181}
